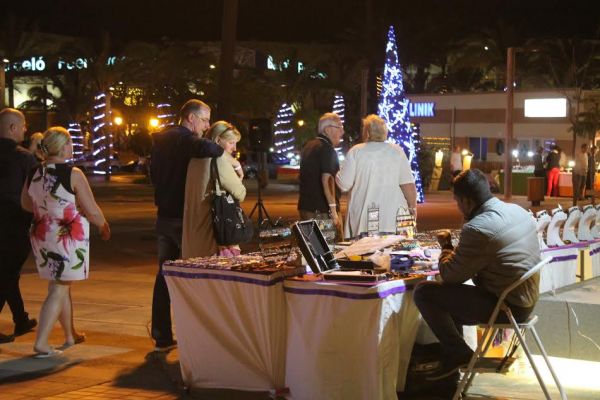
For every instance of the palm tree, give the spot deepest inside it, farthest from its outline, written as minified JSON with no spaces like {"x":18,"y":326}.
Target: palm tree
{"x":18,"y":38}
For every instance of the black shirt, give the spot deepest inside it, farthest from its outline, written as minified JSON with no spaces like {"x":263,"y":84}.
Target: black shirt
{"x":552,"y":160}
{"x":15,"y":165}
{"x":173,"y":149}
{"x":318,"y":157}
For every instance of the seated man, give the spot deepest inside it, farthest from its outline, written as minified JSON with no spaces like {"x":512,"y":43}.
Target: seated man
{"x":498,"y":244}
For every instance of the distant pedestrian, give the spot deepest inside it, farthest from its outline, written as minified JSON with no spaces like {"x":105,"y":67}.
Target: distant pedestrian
{"x":553,"y":171}
{"x":318,"y":165}
{"x":591,"y":173}
{"x":579,"y":172}
{"x":16,"y":163}
{"x":456,"y":165}
{"x":63,"y":206}
{"x":173,"y":149}
{"x":538,"y":164}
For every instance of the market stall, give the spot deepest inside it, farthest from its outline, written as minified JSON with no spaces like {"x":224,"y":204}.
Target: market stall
{"x":230,"y":322}
{"x":564,"y":267}
{"x":349,"y":340}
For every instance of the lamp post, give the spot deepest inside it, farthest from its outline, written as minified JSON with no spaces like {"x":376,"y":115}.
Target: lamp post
{"x":3,"y":62}
{"x":508,"y":122}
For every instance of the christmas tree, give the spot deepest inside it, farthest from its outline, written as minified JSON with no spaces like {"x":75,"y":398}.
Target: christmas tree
{"x":101,"y":142}
{"x":77,"y":139}
{"x":165,"y":115}
{"x":339,"y":108}
{"x":393,"y":108}
{"x":284,"y":140}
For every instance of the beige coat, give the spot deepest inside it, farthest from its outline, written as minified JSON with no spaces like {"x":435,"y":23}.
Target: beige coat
{"x":198,"y":238}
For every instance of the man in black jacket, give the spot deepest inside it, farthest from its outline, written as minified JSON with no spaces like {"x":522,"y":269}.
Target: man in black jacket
{"x":171,"y":154}
{"x":15,"y":164}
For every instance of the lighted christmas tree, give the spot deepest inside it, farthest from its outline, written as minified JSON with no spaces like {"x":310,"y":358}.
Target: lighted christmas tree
{"x":284,"y":140}
{"x":393,"y":108}
{"x":101,"y":134}
{"x":165,"y":115}
{"x":339,"y":108}
{"x":77,"y":139}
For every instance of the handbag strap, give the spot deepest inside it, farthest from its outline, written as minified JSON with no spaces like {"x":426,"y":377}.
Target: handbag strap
{"x":215,"y":172}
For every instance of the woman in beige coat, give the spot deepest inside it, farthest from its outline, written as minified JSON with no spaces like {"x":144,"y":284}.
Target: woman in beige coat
{"x":198,"y":237}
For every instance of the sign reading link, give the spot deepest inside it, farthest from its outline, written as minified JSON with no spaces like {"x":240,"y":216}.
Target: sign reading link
{"x":421,"y":110}
{"x":38,"y":64}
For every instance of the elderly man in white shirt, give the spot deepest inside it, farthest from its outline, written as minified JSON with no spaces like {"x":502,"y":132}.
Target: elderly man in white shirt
{"x":380,"y":182}
{"x":579,"y":174}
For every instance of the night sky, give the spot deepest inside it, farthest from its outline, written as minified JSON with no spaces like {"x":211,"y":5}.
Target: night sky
{"x":310,"y":20}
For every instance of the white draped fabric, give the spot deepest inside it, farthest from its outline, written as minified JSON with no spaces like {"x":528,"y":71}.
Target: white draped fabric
{"x":348,"y":341}
{"x":595,"y":256}
{"x":230,"y":328}
{"x":563,"y":269}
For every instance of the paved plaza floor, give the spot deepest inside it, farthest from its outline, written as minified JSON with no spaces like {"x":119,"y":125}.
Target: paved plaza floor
{"x":113,"y":308}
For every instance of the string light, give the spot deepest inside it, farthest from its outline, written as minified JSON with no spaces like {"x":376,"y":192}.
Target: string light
{"x":164,"y":115}
{"x":393,"y":108}
{"x":101,"y":141}
{"x":283,"y":132}
{"x":77,"y":140}
{"x":339,"y":108}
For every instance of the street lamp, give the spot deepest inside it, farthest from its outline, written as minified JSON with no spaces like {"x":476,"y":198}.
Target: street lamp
{"x":154,"y":122}
{"x":508,"y":132}
{"x":118,"y":121}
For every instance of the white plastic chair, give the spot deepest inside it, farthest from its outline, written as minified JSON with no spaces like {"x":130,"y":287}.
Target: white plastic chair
{"x":491,"y":329}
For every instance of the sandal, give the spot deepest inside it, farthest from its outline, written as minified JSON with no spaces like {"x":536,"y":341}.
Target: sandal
{"x":48,"y":354}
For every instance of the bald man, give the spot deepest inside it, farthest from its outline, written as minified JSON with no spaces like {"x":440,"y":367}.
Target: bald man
{"x":15,"y":164}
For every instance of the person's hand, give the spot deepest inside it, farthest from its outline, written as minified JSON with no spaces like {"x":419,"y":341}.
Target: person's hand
{"x":335,"y":218}
{"x":413,"y":212}
{"x":105,"y":231}
{"x":444,"y":238}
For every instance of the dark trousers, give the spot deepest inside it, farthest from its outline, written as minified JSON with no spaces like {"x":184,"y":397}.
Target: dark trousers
{"x":169,"y":232}
{"x":446,"y":308}
{"x":13,"y":254}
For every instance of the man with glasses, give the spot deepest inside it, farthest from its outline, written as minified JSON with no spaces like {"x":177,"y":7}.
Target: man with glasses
{"x":171,"y":154}
{"x":318,"y":165}
{"x":15,"y":165}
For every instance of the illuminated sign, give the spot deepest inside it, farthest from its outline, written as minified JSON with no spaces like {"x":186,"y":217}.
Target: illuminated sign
{"x":421,"y":110}
{"x":38,"y":64}
{"x":546,"y":108}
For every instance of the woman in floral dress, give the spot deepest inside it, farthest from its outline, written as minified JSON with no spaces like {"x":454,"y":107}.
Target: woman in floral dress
{"x":55,"y":193}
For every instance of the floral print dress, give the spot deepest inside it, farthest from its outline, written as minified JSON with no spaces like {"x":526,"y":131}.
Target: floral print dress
{"x":59,"y":233}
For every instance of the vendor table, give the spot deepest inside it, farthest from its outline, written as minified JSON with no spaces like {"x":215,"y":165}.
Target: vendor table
{"x":594,"y":253}
{"x":563,"y":268}
{"x":519,"y":182}
{"x":349,"y":341}
{"x":230,"y":327}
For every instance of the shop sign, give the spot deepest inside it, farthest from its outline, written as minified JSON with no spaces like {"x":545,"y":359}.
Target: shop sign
{"x":421,"y":109}
{"x":38,"y":64}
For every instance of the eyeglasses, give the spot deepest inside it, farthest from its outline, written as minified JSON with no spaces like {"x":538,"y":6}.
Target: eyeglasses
{"x":336,"y":126}
{"x":201,"y":118}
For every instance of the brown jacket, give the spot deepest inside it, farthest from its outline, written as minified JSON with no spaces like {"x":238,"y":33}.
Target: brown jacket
{"x":198,"y":238}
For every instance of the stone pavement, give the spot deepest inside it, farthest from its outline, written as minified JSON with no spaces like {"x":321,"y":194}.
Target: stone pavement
{"x":113,"y":309}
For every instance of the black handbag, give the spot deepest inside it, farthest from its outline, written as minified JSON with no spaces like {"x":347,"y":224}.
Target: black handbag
{"x":231,"y":226}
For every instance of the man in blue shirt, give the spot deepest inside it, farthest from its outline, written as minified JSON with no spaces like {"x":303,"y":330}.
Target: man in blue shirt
{"x":171,"y":154}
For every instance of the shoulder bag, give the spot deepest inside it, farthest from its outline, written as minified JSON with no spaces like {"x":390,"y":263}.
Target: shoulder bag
{"x":231,"y":225}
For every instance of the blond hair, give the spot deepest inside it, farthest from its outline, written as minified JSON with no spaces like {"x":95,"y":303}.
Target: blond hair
{"x":375,"y":125}
{"x":223,"y":130}
{"x":55,"y":139}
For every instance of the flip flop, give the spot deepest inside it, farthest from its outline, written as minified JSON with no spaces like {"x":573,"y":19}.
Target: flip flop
{"x":49,"y":354}
{"x":78,"y":338}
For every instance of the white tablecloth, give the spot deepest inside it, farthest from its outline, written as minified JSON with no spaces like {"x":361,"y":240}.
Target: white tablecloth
{"x":595,"y":256}
{"x":230,"y":328}
{"x":563,"y":269}
{"x":348,"y":342}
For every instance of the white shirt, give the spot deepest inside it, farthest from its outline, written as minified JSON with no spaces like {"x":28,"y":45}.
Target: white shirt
{"x":456,"y":161}
{"x":373,"y":173}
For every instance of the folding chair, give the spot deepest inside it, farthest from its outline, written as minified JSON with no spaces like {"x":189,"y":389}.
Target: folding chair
{"x":491,"y":329}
